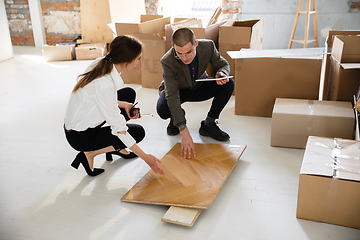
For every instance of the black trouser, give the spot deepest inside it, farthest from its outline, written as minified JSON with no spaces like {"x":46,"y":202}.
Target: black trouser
{"x":209,"y":89}
{"x":100,"y":137}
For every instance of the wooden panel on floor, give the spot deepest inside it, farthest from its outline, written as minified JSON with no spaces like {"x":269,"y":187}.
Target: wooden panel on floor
{"x":181,"y":216}
{"x":192,"y":183}
{"x":95,"y":15}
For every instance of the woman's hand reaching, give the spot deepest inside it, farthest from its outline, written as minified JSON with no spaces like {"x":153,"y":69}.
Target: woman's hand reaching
{"x":153,"y":162}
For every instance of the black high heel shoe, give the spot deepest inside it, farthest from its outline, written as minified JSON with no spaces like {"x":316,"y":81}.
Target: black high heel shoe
{"x":126,"y":156}
{"x":81,"y":158}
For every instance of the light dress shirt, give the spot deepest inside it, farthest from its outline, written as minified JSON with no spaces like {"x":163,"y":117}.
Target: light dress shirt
{"x":97,"y":102}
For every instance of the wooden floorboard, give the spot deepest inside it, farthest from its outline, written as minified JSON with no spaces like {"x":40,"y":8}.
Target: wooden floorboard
{"x":191,"y":183}
{"x":181,"y":216}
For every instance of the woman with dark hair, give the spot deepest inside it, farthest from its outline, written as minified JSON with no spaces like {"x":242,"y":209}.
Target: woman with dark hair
{"x":93,"y":122}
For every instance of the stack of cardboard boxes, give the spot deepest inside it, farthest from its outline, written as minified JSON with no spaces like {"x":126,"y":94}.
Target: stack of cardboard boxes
{"x":155,"y":33}
{"x":309,"y":93}
{"x":329,"y":182}
{"x":74,"y":51}
{"x":342,"y":81}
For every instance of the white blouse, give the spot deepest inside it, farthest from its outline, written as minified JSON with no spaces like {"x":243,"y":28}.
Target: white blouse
{"x":97,"y":102}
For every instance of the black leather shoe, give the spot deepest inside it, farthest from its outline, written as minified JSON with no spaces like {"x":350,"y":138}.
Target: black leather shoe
{"x":126,"y":156}
{"x":172,"y":130}
{"x":213,"y":131}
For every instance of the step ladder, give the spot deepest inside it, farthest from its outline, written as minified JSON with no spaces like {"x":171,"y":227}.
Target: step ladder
{"x":306,"y":41}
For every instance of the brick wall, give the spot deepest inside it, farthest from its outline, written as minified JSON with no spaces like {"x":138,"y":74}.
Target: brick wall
{"x":61,"y":20}
{"x":18,"y":15}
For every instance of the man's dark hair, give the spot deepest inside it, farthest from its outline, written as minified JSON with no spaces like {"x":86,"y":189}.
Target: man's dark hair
{"x":183,"y":36}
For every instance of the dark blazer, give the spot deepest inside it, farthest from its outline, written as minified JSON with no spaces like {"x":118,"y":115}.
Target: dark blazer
{"x":176,"y":74}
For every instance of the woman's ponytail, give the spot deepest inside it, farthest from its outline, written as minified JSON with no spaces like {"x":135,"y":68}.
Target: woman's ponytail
{"x":123,"y":49}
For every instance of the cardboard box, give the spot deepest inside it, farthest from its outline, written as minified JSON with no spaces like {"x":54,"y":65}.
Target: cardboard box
{"x":294,"y":120}
{"x":209,"y":32}
{"x":344,"y":78}
{"x":151,"y":70}
{"x":152,"y":34}
{"x":90,"y":51}
{"x":145,"y":18}
{"x":261,"y":76}
{"x":235,"y":35}
{"x":133,"y":75}
{"x":329,"y":182}
{"x":128,"y":27}
{"x":325,"y":70}
{"x":58,"y":53}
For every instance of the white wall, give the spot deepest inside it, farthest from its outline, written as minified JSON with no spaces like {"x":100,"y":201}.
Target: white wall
{"x":37,"y":22}
{"x":6,"y":50}
{"x":280,"y":16}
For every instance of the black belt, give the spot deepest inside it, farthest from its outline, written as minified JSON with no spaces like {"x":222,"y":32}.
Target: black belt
{"x":98,"y":126}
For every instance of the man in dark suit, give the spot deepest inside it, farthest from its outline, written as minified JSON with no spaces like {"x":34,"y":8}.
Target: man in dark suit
{"x":185,"y":62}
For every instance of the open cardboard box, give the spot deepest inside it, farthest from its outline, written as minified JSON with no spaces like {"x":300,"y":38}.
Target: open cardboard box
{"x":261,"y":76}
{"x":90,"y":51}
{"x":325,"y":69}
{"x":344,"y":77}
{"x":151,"y":25}
{"x":152,"y":34}
{"x":294,"y":120}
{"x":329,"y":182}
{"x":208,"y":32}
{"x":235,"y":35}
